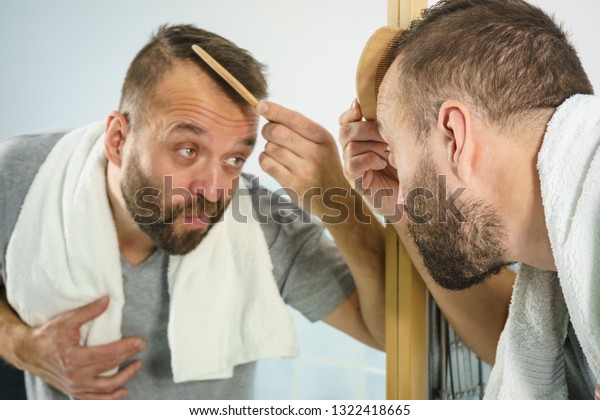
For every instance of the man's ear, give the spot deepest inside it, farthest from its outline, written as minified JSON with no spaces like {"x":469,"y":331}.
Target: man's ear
{"x":117,"y":128}
{"x":454,"y":121}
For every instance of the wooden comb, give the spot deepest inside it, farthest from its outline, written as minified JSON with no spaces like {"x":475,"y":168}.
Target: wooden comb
{"x":228,"y":77}
{"x":375,"y":60}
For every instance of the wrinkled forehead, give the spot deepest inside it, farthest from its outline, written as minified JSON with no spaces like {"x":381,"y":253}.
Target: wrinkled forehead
{"x":189,"y":94}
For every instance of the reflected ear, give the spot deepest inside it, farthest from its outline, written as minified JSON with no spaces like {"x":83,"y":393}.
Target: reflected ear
{"x":117,"y":128}
{"x":454,"y":121}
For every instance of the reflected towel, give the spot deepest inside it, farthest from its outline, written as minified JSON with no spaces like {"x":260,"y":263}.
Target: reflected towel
{"x":225,"y":306}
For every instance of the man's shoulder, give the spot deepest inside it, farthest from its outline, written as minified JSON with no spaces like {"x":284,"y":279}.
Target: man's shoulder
{"x":26,"y":151}
{"x":275,"y":206}
{"x":277,"y":214}
{"x":20,"y":159}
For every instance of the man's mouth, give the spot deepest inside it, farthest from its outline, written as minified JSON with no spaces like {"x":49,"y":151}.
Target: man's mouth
{"x":199,"y":220}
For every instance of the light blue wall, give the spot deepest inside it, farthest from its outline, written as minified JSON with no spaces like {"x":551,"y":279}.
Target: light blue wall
{"x":331,"y":366}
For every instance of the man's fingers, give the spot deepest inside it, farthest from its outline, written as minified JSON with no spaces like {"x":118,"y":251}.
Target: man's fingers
{"x":112,"y":383}
{"x":357,"y":166}
{"x":272,"y":167}
{"x":356,"y":148}
{"x":285,"y":157}
{"x":97,"y":384}
{"x":294,"y":120}
{"x":113,"y":353}
{"x":597,"y":394}
{"x":83,"y":314}
{"x":283,"y":136}
{"x":359,"y":131}
{"x":352,"y":114}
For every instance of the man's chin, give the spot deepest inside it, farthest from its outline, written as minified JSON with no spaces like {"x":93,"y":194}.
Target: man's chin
{"x":459,"y":282}
{"x":183,"y":239}
{"x":182,"y":246}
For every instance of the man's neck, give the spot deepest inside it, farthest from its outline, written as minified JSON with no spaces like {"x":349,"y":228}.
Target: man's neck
{"x":134,"y":244}
{"x":533,"y":244}
{"x":530,"y":240}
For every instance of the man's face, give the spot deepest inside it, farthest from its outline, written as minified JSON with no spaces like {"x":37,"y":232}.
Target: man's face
{"x":458,"y":251}
{"x":183,"y":160}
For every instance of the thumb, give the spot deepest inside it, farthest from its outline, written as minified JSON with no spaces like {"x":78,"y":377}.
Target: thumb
{"x":356,"y":110}
{"x":352,"y":114}
{"x":80,"y":316}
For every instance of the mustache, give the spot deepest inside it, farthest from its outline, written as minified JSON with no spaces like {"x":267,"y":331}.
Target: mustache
{"x":200,"y":207}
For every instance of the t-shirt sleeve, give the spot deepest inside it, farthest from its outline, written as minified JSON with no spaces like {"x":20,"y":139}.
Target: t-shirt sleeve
{"x":20,"y":159}
{"x":310,"y":271}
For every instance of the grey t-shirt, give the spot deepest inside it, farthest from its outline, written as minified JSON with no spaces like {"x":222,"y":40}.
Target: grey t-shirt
{"x":310,"y":273}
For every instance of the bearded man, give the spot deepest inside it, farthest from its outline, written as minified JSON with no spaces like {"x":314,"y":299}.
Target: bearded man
{"x":487,"y":134}
{"x":138,"y":261}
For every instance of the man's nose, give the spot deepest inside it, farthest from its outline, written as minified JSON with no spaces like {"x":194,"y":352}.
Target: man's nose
{"x":213,"y":184}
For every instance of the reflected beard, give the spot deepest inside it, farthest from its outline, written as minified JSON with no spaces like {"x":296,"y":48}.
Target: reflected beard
{"x":143,"y":201}
{"x":457,"y":254}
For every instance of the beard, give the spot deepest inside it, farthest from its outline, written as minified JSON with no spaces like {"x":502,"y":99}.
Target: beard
{"x":457,"y":253}
{"x":155,"y":214}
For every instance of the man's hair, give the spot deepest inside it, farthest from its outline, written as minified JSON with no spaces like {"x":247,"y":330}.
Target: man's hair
{"x":172,"y":44}
{"x":505,"y":58}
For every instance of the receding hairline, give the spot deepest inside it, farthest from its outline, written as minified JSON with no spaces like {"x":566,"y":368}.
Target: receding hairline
{"x":153,"y":99}
{"x":171,"y":45}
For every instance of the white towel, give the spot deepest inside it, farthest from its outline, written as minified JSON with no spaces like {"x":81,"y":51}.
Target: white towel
{"x":225,"y":306}
{"x":530,"y":360}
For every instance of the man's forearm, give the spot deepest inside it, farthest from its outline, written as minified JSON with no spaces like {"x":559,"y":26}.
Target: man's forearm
{"x":478,"y":314}
{"x":11,"y":330}
{"x":362,"y":246}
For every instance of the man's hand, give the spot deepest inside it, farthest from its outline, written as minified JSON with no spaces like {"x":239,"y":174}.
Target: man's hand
{"x":301,"y":155}
{"x":366,"y":164}
{"x":52,"y":352}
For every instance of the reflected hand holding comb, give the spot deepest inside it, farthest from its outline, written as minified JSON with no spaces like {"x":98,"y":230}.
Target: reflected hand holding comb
{"x":300,"y":154}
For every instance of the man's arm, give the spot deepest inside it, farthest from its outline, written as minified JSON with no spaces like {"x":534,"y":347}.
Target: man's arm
{"x":477,"y":314}
{"x":303,"y":157}
{"x":52,"y":352}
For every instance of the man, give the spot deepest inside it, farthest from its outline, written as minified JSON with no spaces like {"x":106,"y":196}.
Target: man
{"x":488,"y":109}
{"x":143,"y":237}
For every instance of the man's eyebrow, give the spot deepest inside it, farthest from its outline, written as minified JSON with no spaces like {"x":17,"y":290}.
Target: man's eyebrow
{"x":249,"y":142}
{"x":199,"y":131}
{"x":187,"y":127}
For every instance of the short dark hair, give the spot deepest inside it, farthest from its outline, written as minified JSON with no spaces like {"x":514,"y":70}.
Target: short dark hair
{"x":506,"y":58}
{"x":172,"y":44}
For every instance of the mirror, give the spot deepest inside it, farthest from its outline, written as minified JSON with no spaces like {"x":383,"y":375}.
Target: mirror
{"x":63,"y":66}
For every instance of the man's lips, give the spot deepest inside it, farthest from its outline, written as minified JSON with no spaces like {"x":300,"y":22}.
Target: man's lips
{"x":198,"y":221}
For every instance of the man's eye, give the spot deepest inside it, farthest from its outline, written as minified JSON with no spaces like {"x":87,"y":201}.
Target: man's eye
{"x":187,"y":152}
{"x":237,"y":161}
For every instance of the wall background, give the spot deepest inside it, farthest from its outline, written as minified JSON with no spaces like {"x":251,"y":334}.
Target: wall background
{"x":62,"y":64}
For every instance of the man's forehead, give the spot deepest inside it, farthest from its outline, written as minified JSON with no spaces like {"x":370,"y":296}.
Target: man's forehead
{"x":387,"y":97}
